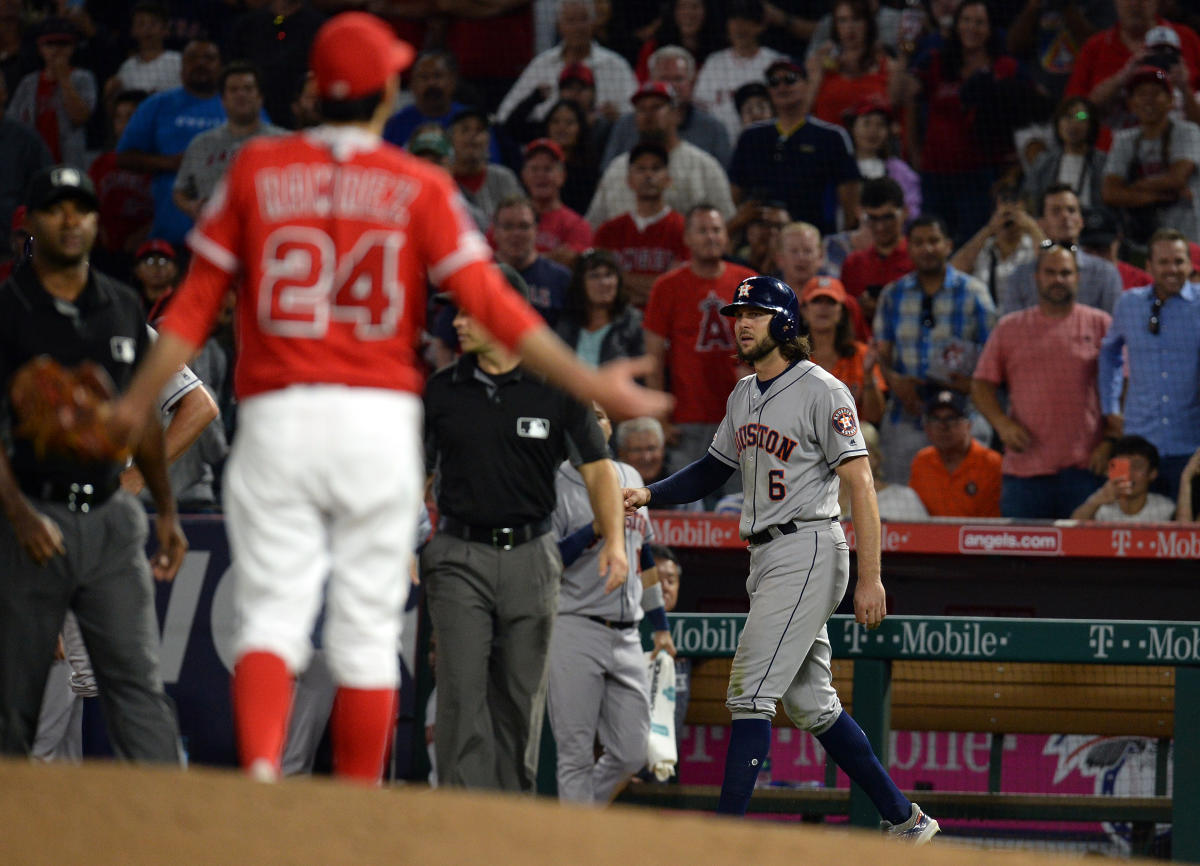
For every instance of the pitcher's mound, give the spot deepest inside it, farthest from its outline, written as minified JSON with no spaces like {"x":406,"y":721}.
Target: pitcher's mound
{"x":105,"y":813}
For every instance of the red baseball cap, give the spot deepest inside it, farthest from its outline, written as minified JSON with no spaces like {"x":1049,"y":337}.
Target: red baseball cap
{"x":157,"y":246}
{"x":547,"y":144}
{"x":1149,"y":75}
{"x":654,"y":88}
{"x":354,"y":54}
{"x":870,"y":105}
{"x":823,"y":287}
{"x":577,"y":72}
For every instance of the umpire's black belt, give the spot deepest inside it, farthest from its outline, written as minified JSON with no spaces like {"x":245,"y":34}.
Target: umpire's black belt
{"x":781,"y":529}
{"x":503,"y":537}
{"x":76,"y":495}
{"x":620,"y":625}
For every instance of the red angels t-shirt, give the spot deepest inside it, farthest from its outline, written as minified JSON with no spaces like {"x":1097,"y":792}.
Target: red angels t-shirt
{"x":562,"y":227}
{"x":685,"y":310}
{"x":332,"y":235}
{"x":650,"y":252}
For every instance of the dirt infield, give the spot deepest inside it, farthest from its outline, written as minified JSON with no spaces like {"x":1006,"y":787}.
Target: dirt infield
{"x":104,"y":813}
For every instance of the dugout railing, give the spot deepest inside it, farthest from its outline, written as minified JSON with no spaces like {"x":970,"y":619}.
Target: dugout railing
{"x":1161,"y":700}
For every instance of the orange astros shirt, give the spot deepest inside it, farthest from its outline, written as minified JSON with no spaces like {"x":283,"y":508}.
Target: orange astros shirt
{"x":972,"y":491}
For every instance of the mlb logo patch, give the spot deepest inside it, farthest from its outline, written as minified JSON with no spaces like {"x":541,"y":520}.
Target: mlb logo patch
{"x":124,"y":350}
{"x":843,"y":422}
{"x":533,"y":428}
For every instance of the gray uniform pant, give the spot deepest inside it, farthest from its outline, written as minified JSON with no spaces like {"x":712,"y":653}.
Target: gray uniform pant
{"x":492,"y":611}
{"x":598,"y":686}
{"x":796,"y":583}
{"x":312,"y":702}
{"x":105,"y":578}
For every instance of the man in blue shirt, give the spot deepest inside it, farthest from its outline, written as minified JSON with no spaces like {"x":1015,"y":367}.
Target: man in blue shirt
{"x":930,"y":325}
{"x":805,"y":162}
{"x":163,"y":126}
{"x":1159,"y":326}
{"x":433,"y":80}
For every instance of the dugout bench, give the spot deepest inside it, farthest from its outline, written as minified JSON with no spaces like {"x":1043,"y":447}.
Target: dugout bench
{"x":995,"y":675}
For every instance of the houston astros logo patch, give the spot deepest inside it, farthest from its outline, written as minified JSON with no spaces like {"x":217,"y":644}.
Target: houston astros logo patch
{"x":843,"y":421}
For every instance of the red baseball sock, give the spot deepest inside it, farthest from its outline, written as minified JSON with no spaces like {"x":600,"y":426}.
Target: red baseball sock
{"x":262,"y":701}
{"x":363,"y":721}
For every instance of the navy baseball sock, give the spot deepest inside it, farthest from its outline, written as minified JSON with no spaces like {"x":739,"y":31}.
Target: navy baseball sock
{"x":847,"y":745}
{"x":749,"y":744}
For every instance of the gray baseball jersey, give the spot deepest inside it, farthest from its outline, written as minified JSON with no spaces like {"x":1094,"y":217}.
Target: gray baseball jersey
{"x":788,"y":442}
{"x":582,"y":590}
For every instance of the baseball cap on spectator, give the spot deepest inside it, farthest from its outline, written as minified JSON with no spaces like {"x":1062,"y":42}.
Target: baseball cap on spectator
{"x":471,"y":111}
{"x":154,"y":247}
{"x":1162,"y":35}
{"x":430,"y":141}
{"x":354,"y":55}
{"x":649,"y":146}
{"x":1149,"y":75}
{"x":785,"y":63}
{"x":577,"y":72}
{"x":57,"y":31}
{"x":823,"y":287}
{"x":1099,"y":228}
{"x":654,"y":88}
{"x":52,"y":185}
{"x":748,"y":91}
{"x":944,"y":398}
{"x":510,"y":273}
{"x":873,"y":104}
{"x":549,"y":145}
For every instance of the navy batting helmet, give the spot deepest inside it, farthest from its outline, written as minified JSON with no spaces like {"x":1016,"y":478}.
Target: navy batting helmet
{"x":769,"y":293}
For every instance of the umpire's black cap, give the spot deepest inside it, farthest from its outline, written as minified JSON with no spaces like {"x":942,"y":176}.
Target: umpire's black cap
{"x":52,"y":185}
{"x":510,"y":273}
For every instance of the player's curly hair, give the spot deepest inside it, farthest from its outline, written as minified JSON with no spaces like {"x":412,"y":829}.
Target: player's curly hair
{"x":796,"y":349}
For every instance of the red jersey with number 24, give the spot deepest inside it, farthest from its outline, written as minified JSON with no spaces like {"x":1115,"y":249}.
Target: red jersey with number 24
{"x":330,"y":236}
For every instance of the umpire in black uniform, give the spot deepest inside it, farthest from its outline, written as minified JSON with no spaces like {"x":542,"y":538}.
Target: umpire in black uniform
{"x":496,"y":435}
{"x":72,"y":538}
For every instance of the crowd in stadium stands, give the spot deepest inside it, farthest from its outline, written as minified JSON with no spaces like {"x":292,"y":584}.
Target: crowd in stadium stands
{"x":988,"y":210}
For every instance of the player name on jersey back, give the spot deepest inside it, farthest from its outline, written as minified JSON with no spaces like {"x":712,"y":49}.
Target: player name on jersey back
{"x":322,"y":190}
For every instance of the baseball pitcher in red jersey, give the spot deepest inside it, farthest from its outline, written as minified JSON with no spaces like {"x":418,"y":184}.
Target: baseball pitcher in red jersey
{"x":330,"y":236}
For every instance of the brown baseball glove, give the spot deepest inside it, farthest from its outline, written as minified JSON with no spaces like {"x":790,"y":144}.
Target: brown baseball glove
{"x":65,"y":411}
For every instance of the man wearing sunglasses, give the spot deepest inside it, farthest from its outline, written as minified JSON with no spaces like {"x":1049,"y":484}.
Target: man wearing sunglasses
{"x":803,"y":160}
{"x":1158,"y":326}
{"x":1053,"y":432}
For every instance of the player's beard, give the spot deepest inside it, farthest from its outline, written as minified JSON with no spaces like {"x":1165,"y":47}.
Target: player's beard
{"x":758,"y":351}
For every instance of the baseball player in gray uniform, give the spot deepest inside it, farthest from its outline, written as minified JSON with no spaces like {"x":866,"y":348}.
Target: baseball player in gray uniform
{"x":598,"y":683}
{"x":793,"y":431}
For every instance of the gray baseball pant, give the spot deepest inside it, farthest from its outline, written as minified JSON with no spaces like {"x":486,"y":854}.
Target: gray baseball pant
{"x":598,"y":685}
{"x":796,"y":583}
{"x":492,"y":611}
{"x":105,"y":578}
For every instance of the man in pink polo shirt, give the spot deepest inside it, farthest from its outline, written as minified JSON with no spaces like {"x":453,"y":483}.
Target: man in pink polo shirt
{"x":1055,"y":439}
{"x":562,"y":234}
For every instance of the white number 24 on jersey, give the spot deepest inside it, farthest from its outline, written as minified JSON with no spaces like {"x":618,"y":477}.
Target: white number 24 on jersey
{"x":305,"y":286}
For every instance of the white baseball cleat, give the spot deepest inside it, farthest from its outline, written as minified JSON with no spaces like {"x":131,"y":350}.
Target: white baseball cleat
{"x":263,"y":770}
{"x":918,"y":829}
